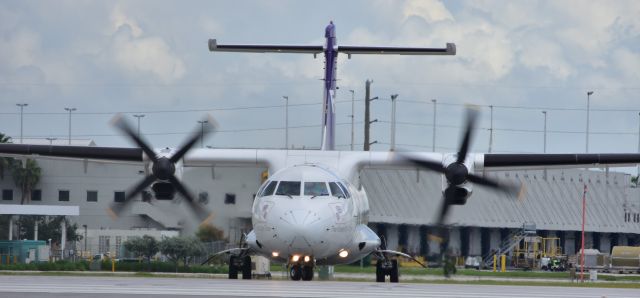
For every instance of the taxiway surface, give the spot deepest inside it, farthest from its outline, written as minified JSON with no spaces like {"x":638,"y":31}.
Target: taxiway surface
{"x":102,"y":287}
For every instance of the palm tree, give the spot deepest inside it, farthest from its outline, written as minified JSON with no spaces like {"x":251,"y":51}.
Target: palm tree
{"x":4,"y":162}
{"x":26,"y":178}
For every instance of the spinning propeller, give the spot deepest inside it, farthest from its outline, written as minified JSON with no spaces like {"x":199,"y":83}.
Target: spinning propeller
{"x":163,"y":168}
{"x":457,"y":175}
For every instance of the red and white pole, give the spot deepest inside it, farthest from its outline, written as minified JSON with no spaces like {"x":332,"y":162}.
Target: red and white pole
{"x":584,"y":211}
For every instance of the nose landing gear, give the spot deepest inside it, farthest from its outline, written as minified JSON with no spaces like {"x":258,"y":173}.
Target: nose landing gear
{"x":301,"y":270}
{"x":386,"y":267}
{"x":240,"y":264}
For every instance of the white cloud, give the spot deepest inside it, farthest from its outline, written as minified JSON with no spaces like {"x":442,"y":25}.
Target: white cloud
{"x":119,"y":19}
{"x":140,"y":55}
{"x":429,"y":10}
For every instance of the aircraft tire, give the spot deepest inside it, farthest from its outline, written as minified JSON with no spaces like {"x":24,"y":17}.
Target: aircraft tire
{"x":233,"y":270}
{"x":246,"y":267}
{"x":295,"y":272}
{"x":380,"y":274}
{"x":393,"y":271}
{"x":307,"y":273}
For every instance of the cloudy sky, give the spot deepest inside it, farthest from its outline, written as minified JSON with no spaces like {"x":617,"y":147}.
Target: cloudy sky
{"x":151,"y":57}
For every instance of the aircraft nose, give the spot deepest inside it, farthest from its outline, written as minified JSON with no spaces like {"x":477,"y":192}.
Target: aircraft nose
{"x":303,"y":229}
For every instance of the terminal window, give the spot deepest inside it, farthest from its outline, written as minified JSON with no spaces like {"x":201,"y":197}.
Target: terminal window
{"x":63,"y":195}
{"x":92,"y":196}
{"x":230,"y":198}
{"x":36,"y":195}
{"x":7,"y":194}
{"x":118,"y":196}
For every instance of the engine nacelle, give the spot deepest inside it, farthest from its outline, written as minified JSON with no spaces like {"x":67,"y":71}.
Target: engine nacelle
{"x":163,"y":190}
{"x":459,"y":189}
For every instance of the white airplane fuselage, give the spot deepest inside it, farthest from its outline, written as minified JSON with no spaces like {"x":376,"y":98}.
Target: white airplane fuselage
{"x":309,"y":211}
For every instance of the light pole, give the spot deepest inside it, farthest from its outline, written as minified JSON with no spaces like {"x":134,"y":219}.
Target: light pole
{"x":393,"y":122}
{"x":433,"y":141}
{"x":21,"y":105}
{"x":51,"y":140}
{"x":202,"y":123}
{"x":639,"y":144}
{"x":544,"y":150}
{"x":353,"y":116}
{"x":85,"y":238}
{"x":138,"y":116}
{"x":491,"y":131}
{"x":286,"y":122}
{"x":589,"y":93}
{"x":69,"y":110}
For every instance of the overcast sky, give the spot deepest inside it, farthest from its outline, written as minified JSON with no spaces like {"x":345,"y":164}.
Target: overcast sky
{"x":151,"y":57}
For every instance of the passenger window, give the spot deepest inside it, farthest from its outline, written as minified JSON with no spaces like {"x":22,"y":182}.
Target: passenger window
{"x":315,"y":189}
{"x":336,"y":190}
{"x":345,"y":190}
{"x":268,"y":191}
{"x":288,"y":188}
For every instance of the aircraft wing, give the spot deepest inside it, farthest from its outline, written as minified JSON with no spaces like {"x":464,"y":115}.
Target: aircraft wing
{"x":349,"y":50}
{"x":77,"y":152}
{"x":537,"y":161}
{"x":194,"y":158}
{"x":495,"y":162}
{"x":215,"y":47}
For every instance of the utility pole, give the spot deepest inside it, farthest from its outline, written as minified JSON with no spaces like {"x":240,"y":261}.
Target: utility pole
{"x":353,"y":116}
{"x":286,"y":122}
{"x":433,"y":141}
{"x":202,"y":123}
{"x":138,"y":117}
{"x":491,"y":131}
{"x":588,"y":100}
{"x":21,"y":105}
{"x":393,"y":122}
{"x":367,"y":111}
{"x":544,"y":148}
{"x":367,"y":94}
{"x":69,"y":110}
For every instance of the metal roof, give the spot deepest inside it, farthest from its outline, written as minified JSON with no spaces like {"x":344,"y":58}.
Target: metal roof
{"x":39,"y":210}
{"x":554,"y":203}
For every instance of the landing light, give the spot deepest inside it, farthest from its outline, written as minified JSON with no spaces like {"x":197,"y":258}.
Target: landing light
{"x":343,"y":253}
{"x":307,"y":259}
{"x":275,"y":254}
{"x":295,"y":258}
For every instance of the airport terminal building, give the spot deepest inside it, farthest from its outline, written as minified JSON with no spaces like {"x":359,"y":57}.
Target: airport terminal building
{"x":403,"y":205}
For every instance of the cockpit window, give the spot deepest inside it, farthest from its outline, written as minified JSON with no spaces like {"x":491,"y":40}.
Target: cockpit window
{"x":288,"y":188}
{"x":336,"y":190}
{"x":345,"y":190}
{"x":268,"y":190}
{"x":315,"y":189}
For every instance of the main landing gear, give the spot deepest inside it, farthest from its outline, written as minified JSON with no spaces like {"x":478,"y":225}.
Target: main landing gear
{"x":386,"y":267}
{"x":301,"y":271}
{"x":239,"y":264}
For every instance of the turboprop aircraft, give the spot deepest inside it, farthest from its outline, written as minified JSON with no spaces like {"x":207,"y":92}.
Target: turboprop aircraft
{"x":313,"y":210}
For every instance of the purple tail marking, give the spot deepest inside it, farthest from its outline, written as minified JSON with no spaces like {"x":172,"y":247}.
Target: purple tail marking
{"x":328,"y":115}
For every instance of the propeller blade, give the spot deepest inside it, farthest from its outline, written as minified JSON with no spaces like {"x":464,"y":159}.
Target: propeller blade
{"x":443,"y":211}
{"x":144,"y":183}
{"x":199,"y":211}
{"x":116,"y":207}
{"x":121,"y":123}
{"x":196,"y":136}
{"x":472,"y":115}
{"x":511,"y":189}
{"x":426,"y":164}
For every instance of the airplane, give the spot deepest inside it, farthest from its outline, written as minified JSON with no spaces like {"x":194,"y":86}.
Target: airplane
{"x":312,"y":210}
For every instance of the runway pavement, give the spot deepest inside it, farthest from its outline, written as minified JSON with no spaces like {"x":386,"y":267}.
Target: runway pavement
{"x":103,"y":287}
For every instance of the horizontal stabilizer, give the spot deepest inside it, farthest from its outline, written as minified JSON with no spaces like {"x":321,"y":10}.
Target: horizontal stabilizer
{"x":215,"y":47}
{"x":349,"y":50}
